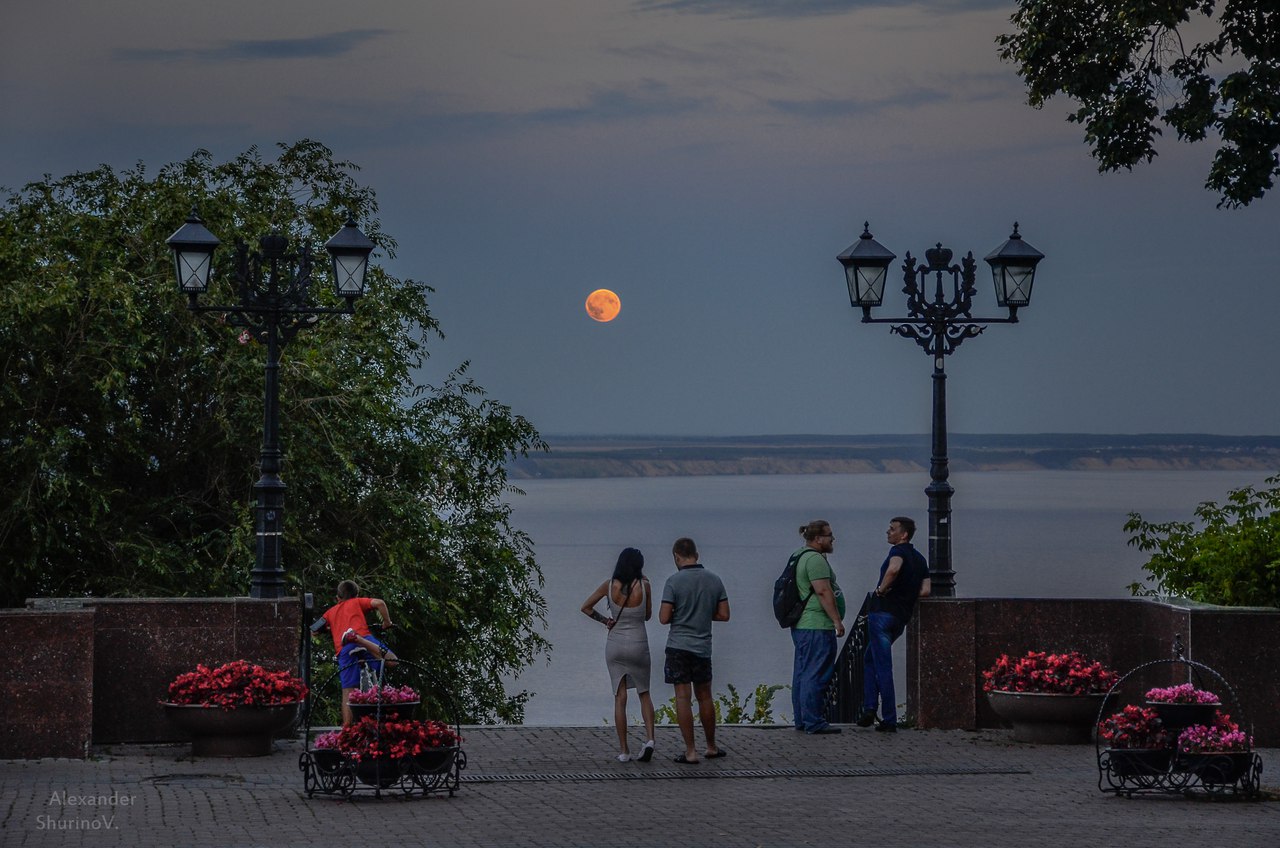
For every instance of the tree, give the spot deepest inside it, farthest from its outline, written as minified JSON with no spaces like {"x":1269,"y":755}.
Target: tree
{"x":1232,"y":559}
{"x":131,"y":427}
{"x":1126,"y":63}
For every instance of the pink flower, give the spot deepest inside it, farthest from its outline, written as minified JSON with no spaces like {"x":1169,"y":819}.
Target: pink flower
{"x":1184,"y":694}
{"x":1223,"y":735}
{"x":327,"y":740}
{"x":1069,"y":673}
{"x":385,"y":695}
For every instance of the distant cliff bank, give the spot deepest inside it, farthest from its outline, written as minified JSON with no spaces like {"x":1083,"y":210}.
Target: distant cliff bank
{"x":583,"y":456}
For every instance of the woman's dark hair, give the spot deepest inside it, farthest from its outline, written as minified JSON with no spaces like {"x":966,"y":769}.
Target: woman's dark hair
{"x":629,"y":569}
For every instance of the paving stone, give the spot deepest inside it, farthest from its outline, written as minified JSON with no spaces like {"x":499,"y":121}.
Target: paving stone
{"x":776,"y":787}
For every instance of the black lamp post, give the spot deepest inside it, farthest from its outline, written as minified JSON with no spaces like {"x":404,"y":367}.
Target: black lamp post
{"x":274,"y":290}
{"x":939,"y":323}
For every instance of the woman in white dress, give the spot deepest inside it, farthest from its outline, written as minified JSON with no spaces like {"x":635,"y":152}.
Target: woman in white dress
{"x":626,"y":653}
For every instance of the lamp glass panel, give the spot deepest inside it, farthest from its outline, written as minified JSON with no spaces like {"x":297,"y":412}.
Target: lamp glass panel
{"x":1017,"y":285}
{"x":871,"y":287}
{"x":348,"y":274}
{"x":193,"y":270}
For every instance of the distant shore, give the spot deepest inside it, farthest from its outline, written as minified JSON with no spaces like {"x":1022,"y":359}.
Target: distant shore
{"x":582,"y":457}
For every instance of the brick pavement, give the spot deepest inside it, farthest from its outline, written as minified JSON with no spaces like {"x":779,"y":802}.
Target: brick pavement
{"x":915,"y":788}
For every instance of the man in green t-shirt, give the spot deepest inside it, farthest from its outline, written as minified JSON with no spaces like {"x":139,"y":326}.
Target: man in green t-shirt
{"x":815,"y":634}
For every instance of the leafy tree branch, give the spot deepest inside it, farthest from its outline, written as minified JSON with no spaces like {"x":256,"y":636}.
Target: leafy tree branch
{"x":1128,"y":64}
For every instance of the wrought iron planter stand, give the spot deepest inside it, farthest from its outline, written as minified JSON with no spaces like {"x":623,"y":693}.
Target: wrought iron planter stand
{"x":435,"y":771}
{"x":1130,"y":772}
{"x":330,"y":773}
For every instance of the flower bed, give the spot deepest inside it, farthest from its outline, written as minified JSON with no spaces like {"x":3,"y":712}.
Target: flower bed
{"x":236,"y":684}
{"x":386,"y":695}
{"x":1222,"y":736}
{"x":1069,"y":673}
{"x":1183,"y":694}
{"x":369,"y":739}
{"x":1134,"y":727}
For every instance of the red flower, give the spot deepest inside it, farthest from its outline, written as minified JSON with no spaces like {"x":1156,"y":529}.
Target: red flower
{"x":236,"y":684}
{"x":1134,"y":727}
{"x":369,"y":739}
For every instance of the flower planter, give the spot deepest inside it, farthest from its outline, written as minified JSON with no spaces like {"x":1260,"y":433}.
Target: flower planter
{"x":401,"y":711}
{"x":1176,"y":717}
{"x":328,"y":761}
{"x":379,"y":772}
{"x":1134,"y":762}
{"x":1215,"y":767}
{"x":245,"y":731}
{"x":1048,"y":718}
{"x":435,"y":760}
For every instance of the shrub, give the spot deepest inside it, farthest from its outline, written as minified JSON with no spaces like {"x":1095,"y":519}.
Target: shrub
{"x":1233,"y":559}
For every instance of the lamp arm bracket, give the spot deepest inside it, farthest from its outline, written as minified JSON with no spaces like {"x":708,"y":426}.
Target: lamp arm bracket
{"x":938,"y":338}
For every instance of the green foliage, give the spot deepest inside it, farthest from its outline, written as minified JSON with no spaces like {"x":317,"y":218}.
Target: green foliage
{"x":1232,"y":558}
{"x":1126,"y":64}
{"x":131,"y":428}
{"x":732,"y":708}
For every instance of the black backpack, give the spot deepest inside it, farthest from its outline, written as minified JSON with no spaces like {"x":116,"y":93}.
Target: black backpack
{"x":788,"y":606}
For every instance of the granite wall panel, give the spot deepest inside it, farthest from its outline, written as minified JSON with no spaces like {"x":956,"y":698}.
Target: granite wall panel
{"x":46,"y":681}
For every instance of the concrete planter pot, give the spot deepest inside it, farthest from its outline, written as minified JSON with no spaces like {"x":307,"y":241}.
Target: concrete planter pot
{"x":1048,"y":718}
{"x":240,"y":732}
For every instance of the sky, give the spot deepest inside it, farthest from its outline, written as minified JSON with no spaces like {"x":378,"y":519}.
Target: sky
{"x":706,"y":160}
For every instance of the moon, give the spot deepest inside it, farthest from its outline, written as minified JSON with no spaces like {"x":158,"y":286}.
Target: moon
{"x":603,"y":305}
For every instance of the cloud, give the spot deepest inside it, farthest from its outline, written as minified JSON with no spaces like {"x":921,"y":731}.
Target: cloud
{"x":804,"y":8}
{"x":648,"y":99}
{"x":327,"y":46}
{"x":845,"y":107}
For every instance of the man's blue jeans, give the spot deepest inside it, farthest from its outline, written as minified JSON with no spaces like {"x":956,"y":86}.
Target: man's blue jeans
{"x":883,"y":629}
{"x":815,"y":662}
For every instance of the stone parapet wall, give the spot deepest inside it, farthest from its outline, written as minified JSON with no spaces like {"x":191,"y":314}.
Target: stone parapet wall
{"x":952,"y":641}
{"x":107,"y":663}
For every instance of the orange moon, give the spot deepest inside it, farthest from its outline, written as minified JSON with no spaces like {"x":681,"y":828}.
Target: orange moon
{"x":603,"y":305}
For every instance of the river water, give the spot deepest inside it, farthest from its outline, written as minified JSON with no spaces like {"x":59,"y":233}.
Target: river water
{"x":1015,"y":534}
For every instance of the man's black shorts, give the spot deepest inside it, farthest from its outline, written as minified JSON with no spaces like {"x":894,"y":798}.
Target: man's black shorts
{"x":685,"y":667}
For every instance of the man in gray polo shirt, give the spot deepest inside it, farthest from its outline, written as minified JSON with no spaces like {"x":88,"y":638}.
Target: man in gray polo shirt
{"x":691,"y":599}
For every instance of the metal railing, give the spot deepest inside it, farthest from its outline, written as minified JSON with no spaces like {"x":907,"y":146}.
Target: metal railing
{"x":844,"y":693}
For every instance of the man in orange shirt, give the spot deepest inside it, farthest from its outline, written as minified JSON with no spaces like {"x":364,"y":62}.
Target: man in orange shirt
{"x":346,"y":621}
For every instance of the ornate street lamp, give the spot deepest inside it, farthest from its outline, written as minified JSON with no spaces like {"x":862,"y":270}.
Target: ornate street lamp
{"x":939,"y":323}
{"x":274,"y":290}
